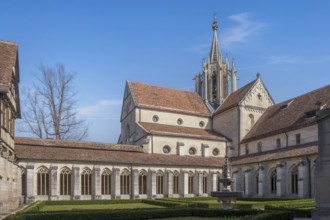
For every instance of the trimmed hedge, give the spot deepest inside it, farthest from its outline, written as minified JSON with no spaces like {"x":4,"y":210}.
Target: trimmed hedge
{"x":92,"y":202}
{"x":280,"y":215}
{"x":164,"y":203}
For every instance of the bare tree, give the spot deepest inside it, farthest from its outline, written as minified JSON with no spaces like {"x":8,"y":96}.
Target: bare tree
{"x":50,"y":107}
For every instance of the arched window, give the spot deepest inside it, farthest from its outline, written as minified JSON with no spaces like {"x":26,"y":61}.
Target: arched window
{"x":106,"y":182}
{"x":294,"y":180}
{"x":159,"y":182}
{"x":65,"y":181}
{"x":143,"y":182}
{"x":125,"y":182}
{"x":251,"y":121}
{"x":176,"y":182}
{"x":86,"y":182}
{"x":204,"y":182}
{"x":43,"y":181}
{"x":273,"y":182}
{"x":214,"y":86}
{"x":190,"y":183}
{"x":257,"y":183}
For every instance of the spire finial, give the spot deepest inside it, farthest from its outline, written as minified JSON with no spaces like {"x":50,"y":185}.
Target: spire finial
{"x":215,"y":23}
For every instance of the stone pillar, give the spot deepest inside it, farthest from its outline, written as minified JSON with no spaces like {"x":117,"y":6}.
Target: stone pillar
{"x":168,"y":184}
{"x":135,"y":183}
{"x":237,"y":184}
{"x":75,"y":181}
{"x":198,"y":184}
{"x":205,"y":150}
{"x":322,"y":174}
{"x":303,"y":179}
{"x":180,"y":148}
{"x":248,"y":183}
{"x":96,"y":182}
{"x":30,"y":193}
{"x":212,"y":181}
{"x":53,"y":183}
{"x":281,"y":175}
{"x":115,"y":185}
{"x":151,"y":186}
{"x":262,"y":181}
{"x":183,"y":183}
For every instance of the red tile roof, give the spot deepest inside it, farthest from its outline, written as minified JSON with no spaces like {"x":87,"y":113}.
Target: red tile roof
{"x":8,"y":59}
{"x":180,"y":131}
{"x":156,"y":97}
{"x":234,"y":98}
{"x":289,"y":115}
{"x":283,"y":153}
{"x":72,"y":152}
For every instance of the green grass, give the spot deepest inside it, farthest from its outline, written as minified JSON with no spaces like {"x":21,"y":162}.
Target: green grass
{"x":198,"y":218}
{"x":55,"y":208}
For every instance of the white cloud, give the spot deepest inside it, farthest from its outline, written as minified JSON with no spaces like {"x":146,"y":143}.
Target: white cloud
{"x":103,"y":109}
{"x":245,"y":28}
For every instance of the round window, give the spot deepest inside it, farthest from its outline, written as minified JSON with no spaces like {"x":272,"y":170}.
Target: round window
{"x":180,"y":121}
{"x":201,"y":124}
{"x":166,"y":149}
{"x":192,"y":151}
{"x":215,"y":152}
{"x":155,"y":118}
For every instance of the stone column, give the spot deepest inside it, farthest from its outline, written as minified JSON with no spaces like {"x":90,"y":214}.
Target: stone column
{"x":198,"y":184}
{"x":303,"y":179}
{"x":237,"y":184}
{"x":135,"y":183}
{"x":183,"y":183}
{"x":281,"y":175}
{"x":116,"y":183}
{"x":248,"y":182}
{"x":262,"y":181}
{"x":205,"y":150}
{"x":96,"y":182}
{"x":151,"y":186}
{"x":322,"y":174}
{"x":30,"y":193}
{"x":180,"y":148}
{"x":53,"y":183}
{"x":75,"y":181}
{"x":168,"y":184}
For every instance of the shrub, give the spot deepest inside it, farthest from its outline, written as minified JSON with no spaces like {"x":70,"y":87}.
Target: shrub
{"x":92,"y":202}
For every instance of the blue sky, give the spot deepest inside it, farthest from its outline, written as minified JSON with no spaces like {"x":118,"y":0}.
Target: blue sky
{"x":163,"y":42}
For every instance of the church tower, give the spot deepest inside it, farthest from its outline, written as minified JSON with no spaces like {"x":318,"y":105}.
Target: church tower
{"x":217,"y":81}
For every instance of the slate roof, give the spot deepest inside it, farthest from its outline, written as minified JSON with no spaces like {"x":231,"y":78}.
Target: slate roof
{"x":180,"y":131}
{"x":8,"y":59}
{"x":161,"y":98}
{"x":234,"y":98}
{"x":292,"y":114}
{"x":282,"y":153}
{"x":72,"y":151}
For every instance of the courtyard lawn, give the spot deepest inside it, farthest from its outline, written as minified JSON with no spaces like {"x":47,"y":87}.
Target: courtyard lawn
{"x":56,"y":208}
{"x":198,"y":218}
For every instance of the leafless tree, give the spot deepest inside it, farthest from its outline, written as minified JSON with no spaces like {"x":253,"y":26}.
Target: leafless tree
{"x":49,"y":109}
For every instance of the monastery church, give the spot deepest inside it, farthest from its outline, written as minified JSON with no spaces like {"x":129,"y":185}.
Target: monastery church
{"x":172,"y":142}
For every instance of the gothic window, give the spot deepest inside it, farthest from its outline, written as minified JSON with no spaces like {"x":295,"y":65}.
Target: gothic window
{"x":143,"y":182}
{"x":86,"y":182}
{"x":251,"y":121}
{"x":294,"y":180}
{"x":192,"y":151}
{"x":204,"y":182}
{"x":106,"y":182}
{"x":43,"y":181}
{"x":190,"y":183}
{"x":159,"y":182}
{"x":273,"y":182}
{"x":125,"y":182}
{"x":257,"y":183}
{"x":176,"y":182}
{"x":166,"y":149}
{"x":298,"y":139}
{"x":65,"y":181}
{"x":215,"y":152}
{"x":214,"y":86}
{"x":278,"y":142}
{"x":259,"y":145}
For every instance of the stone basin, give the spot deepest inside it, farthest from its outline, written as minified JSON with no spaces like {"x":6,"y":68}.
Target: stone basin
{"x":227,"y":194}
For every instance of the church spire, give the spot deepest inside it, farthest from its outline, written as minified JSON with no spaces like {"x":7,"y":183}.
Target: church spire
{"x":215,"y":55}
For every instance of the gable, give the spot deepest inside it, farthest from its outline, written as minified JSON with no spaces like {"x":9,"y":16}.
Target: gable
{"x":128,"y":102}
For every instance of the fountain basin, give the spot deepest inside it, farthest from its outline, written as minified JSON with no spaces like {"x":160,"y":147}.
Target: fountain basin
{"x":220,"y":195}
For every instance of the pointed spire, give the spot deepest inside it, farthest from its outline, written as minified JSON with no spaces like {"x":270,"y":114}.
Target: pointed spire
{"x":215,"y":54}
{"x":233,"y":77}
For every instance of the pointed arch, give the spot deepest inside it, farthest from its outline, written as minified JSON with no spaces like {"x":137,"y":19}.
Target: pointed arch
{"x":191,"y":182}
{"x":143,"y":182}
{"x":42,"y":181}
{"x":204,"y":182}
{"x":86,"y":181}
{"x":125,"y":182}
{"x":106,"y":182}
{"x":65,"y":181}
{"x":176,"y":182}
{"x":293,"y":179}
{"x":160,"y":182}
{"x":273,"y":181}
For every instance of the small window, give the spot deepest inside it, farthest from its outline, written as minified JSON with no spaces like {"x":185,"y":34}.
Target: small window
{"x":166,"y":149}
{"x":215,"y":152}
{"x":192,"y":151}
{"x":298,"y":139}
{"x":259,"y":147}
{"x":180,"y":121}
{"x":201,"y":124}
{"x":278,"y":142}
{"x":155,"y":118}
{"x":246,"y":148}
{"x":259,"y":96}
